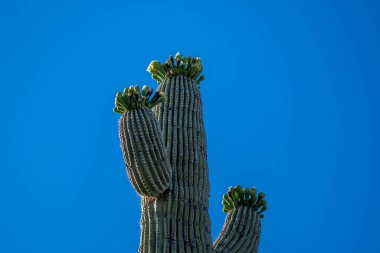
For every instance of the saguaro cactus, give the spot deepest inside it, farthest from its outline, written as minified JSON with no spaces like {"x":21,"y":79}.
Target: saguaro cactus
{"x":163,"y":141}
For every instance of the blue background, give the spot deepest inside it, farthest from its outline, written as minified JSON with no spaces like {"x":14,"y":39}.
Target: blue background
{"x":291,"y":104}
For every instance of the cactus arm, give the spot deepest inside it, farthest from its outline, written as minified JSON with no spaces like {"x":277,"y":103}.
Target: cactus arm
{"x":240,"y":233}
{"x":242,"y":228}
{"x":147,"y":165}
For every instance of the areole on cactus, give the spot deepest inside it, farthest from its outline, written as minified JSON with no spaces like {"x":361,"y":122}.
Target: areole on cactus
{"x":163,"y":140}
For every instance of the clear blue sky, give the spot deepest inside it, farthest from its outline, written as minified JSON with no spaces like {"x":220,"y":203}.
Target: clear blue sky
{"x":291,"y":105}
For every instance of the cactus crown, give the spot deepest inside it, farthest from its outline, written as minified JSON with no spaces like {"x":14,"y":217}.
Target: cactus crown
{"x":135,"y":98}
{"x":236,"y":196}
{"x":179,"y":65}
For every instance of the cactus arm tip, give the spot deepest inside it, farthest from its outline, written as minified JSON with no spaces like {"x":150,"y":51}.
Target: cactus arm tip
{"x":236,"y":196}
{"x":136,"y":98}
{"x":246,"y":207}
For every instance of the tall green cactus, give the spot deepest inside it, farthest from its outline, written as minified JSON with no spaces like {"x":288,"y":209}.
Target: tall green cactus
{"x":165,"y":153}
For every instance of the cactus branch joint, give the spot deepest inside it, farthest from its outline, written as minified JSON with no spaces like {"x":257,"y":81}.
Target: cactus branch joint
{"x":163,"y":141}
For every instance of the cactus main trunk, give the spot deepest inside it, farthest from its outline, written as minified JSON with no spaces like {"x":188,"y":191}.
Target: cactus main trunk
{"x":180,"y":217}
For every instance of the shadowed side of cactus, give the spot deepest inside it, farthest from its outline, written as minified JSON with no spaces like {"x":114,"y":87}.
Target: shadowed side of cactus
{"x":164,"y":145}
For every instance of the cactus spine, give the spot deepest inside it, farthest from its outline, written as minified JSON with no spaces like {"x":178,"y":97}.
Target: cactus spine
{"x":166,"y":158}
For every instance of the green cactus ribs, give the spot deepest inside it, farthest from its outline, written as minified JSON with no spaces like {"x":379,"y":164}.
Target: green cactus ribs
{"x":140,"y":138}
{"x":236,"y":196}
{"x":179,"y":65}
